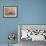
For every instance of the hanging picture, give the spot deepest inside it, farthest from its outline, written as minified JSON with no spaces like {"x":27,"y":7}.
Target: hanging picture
{"x":10,"y":11}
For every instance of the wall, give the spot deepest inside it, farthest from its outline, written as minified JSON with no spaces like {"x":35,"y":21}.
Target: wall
{"x":32,"y":11}
{"x":29,"y":12}
{"x":7,"y":25}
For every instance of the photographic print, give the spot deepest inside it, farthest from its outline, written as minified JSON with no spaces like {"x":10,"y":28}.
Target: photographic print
{"x":10,"y":11}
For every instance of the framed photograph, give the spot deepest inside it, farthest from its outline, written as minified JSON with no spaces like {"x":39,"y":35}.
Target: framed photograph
{"x":10,"y":11}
